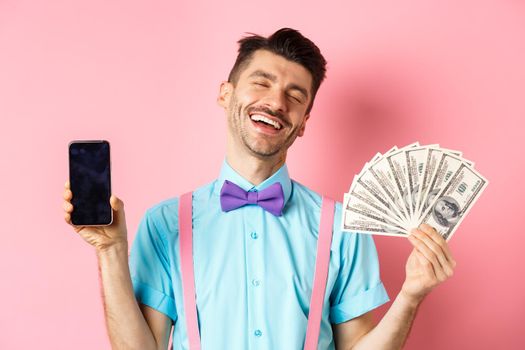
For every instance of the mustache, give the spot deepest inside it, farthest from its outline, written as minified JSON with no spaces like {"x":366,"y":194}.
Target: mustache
{"x":266,"y":110}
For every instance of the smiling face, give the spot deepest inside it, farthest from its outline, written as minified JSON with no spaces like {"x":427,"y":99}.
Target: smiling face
{"x":266,"y":107}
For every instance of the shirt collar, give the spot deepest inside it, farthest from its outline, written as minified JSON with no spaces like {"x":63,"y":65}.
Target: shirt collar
{"x":281,"y":175}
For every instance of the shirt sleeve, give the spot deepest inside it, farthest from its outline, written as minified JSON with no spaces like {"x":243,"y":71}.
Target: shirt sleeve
{"x":150,"y":268}
{"x":358,"y":287}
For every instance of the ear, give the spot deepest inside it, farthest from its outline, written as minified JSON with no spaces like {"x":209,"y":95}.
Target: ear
{"x":225,"y":93}
{"x":301,"y":130}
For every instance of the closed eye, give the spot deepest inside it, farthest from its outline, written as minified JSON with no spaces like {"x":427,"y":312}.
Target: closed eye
{"x":295,"y":99}
{"x":261,"y":83}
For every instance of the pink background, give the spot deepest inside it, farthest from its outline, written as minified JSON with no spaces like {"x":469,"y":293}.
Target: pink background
{"x":145,"y":75}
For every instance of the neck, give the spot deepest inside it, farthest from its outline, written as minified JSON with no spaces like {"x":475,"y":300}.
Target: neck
{"x":253,"y":168}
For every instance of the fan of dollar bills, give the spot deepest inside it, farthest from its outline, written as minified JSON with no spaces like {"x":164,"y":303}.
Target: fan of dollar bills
{"x":408,"y":186}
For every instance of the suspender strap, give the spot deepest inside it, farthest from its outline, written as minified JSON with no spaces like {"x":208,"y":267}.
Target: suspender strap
{"x":324,"y":242}
{"x":188,"y":279}
{"x":321,"y":272}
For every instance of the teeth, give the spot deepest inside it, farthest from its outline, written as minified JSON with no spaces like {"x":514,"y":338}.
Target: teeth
{"x":258,"y":117}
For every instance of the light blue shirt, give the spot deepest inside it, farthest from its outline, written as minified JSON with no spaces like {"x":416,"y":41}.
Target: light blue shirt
{"x":253,"y":270}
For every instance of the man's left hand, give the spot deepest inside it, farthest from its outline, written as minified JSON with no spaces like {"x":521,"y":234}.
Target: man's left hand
{"x":429,"y":264}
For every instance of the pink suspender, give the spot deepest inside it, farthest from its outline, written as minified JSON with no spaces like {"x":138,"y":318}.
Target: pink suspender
{"x":321,"y":272}
{"x":324,"y":241}
{"x":186,"y":262}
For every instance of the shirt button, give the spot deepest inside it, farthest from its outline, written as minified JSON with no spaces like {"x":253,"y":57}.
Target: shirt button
{"x":254,"y":235}
{"x":257,"y":333}
{"x":256,"y":283}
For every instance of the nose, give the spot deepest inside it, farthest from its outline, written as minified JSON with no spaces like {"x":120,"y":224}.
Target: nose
{"x":276,"y":100}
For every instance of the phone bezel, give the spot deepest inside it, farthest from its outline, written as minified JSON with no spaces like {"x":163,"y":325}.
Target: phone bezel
{"x":110,"y":172}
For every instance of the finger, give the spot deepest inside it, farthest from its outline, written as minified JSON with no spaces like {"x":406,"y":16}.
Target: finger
{"x":428,"y":255}
{"x":426,"y":264}
{"x":433,"y":252}
{"x":119,"y":218}
{"x":67,"y":218}
{"x":436,"y":248}
{"x":67,"y":185}
{"x":116,"y":203}
{"x":439,"y":240}
{"x":68,"y":195}
{"x":68,"y":207}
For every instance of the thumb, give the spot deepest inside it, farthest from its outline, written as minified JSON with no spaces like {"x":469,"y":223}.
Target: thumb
{"x":116,"y":203}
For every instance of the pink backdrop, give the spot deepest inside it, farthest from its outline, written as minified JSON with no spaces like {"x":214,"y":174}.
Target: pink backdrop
{"x":145,"y":75}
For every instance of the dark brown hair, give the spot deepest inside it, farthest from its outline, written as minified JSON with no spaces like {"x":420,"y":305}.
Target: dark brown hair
{"x":288,"y":43}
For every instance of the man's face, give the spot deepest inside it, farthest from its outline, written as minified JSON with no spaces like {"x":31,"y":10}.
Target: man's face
{"x":445,"y":209}
{"x":266,"y":107}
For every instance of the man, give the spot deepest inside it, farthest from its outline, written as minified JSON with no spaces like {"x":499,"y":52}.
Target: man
{"x":446,"y":211}
{"x":254,"y":267}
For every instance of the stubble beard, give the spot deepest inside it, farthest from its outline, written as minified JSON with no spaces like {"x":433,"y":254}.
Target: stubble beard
{"x":238,"y":120}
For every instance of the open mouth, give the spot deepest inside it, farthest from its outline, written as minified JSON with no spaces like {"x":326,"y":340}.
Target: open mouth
{"x":265,"y":122}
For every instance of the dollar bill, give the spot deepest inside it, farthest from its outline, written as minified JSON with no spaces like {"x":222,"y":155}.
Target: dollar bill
{"x":446,"y":168}
{"x":455,"y":200}
{"x":370,"y":184}
{"x":416,"y":163}
{"x":353,"y":222}
{"x":361,"y":193}
{"x":358,"y":206}
{"x":398,"y":168}
{"x":393,"y":190}
{"x":433,"y":156}
{"x":384,"y":177}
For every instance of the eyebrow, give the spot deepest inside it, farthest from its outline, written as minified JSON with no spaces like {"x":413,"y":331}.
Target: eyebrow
{"x":273,"y":78}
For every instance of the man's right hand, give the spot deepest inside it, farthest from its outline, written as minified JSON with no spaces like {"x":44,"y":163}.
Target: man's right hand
{"x":101,"y":237}
{"x":130,"y":325}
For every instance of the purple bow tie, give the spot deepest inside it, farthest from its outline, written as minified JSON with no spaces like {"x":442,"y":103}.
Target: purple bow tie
{"x":270,"y":199}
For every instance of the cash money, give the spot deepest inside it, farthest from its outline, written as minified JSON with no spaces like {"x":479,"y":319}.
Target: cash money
{"x":405,"y":187}
{"x":359,"y":208}
{"x":363,"y":224}
{"x":454,"y":201}
{"x":447,"y":166}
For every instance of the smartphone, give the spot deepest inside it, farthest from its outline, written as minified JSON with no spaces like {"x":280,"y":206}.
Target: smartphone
{"x":90,"y":181}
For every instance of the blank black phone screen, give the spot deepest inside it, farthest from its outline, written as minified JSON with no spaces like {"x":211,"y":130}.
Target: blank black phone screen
{"x":90,"y":181}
